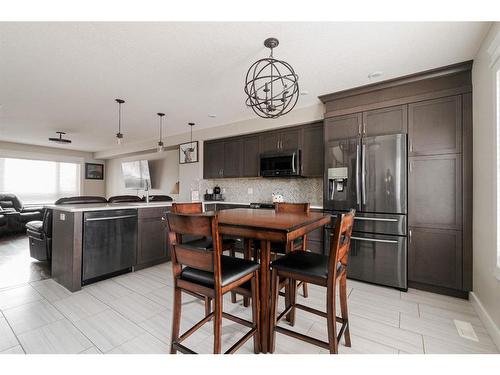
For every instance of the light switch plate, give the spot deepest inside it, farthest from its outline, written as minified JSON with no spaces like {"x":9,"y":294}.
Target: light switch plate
{"x":62,"y":217}
{"x":195,"y":195}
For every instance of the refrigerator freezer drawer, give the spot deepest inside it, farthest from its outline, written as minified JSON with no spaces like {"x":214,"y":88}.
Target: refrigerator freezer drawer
{"x":391,"y":224}
{"x":378,"y":259}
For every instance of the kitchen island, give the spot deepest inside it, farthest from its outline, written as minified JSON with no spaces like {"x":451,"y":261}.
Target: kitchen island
{"x":95,"y":241}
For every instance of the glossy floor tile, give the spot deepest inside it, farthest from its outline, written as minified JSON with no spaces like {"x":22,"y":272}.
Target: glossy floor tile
{"x":131,"y":313}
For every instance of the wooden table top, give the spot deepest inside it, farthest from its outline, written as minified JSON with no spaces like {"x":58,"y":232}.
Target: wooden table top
{"x":269,"y":219}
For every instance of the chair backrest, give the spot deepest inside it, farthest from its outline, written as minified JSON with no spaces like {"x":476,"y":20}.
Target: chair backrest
{"x":204,"y":224}
{"x":340,"y":242}
{"x":124,"y":199}
{"x":187,"y":208}
{"x":292,"y":208}
{"x":81,"y":200}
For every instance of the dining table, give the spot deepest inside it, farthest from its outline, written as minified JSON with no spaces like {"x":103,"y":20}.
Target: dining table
{"x":268,"y":226}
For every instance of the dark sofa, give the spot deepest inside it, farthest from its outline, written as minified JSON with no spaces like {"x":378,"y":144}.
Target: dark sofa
{"x":15,"y":214}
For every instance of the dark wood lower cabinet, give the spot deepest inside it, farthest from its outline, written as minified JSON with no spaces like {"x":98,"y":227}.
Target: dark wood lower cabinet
{"x":152,"y":239}
{"x":435,"y":257}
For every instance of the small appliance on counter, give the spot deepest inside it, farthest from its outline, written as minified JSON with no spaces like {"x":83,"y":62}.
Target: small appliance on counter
{"x":277,"y":198}
{"x":213,"y":194}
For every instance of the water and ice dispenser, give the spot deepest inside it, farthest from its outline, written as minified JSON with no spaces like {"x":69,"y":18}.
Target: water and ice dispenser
{"x":337,"y":180}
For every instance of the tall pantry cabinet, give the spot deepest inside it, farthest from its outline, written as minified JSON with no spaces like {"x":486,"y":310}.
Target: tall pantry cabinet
{"x":436,"y":110}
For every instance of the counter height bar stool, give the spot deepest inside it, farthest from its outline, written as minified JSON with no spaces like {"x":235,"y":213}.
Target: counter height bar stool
{"x":210,"y":274}
{"x":319,"y":270}
{"x":204,"y":242}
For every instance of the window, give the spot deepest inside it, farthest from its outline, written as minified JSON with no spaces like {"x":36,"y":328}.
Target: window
{"x":39,"y":181}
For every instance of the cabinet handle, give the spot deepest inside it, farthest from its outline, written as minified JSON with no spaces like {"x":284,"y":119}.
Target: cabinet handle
{"x":411,"y":166}
{"x":359,"y":129}
{"x":409,"y":236}
{"x":163,"y":219}
{"x":364,"y":128}
{"x":411,"y":145}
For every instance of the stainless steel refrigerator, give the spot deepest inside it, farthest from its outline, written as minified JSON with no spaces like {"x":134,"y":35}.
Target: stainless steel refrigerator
{"x":369,"y":174}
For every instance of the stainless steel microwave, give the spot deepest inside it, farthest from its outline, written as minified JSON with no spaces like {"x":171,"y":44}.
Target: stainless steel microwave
{"x":281,"y":164}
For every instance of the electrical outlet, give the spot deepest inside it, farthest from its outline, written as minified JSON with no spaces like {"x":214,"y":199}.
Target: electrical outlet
{"x":250,"y":191}
{"x":223,"y":191}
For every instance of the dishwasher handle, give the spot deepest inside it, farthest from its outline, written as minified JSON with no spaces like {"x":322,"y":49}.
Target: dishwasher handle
{"x":111,"y":218}
{"x":373,"y":240}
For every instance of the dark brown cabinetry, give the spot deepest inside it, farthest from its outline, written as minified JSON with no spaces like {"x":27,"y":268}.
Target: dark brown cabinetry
{"x":213,"y":159}
{"x":250,"y":156}
{"x":435,"y":257}
{"x":435,"y":191}
{"x":312,"y":151}
{"x":435,"y":126}
{"x":152,"y":239}
{"x":392,"y":120}
{"x":239,"y":156}
{"x":435,"y":109}
{"x":342,"y":127}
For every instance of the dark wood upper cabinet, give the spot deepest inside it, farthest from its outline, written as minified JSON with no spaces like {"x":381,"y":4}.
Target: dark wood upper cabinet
{"x":341,"y":127}
{"x":435,"y":191}
{"x":270,"y":142}
{"x":213,"y":159}
{"x":290,"y":139}
{"x":435,"y":257}
{"x":312,"y":150}
{"x":435,"y":126}
{"x":250,"y":156}
{"x":232,"y":158}
{"x":392,"y":120}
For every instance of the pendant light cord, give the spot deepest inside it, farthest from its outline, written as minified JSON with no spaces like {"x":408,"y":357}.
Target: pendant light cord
{"x":119,"y":117}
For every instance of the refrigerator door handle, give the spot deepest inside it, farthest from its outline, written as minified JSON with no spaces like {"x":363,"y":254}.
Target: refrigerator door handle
{"x":363,"y":174}
{"x":372,"y":240}
{"x":358,"y":190}
{"x":375,"y":219}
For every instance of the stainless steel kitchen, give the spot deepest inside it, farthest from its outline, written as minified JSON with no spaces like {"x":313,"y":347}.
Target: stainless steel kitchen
{"x":273,"y":188}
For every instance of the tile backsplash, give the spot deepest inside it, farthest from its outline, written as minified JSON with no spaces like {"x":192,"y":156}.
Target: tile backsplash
{"x":293,"y":189}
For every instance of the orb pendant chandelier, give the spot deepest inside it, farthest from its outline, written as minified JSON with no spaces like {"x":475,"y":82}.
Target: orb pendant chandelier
{"x":271,"y":85}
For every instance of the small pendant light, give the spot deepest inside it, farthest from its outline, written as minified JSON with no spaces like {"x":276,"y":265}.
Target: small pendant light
{"x":160,"y":147}
{"x":191,"y":148}
{"x":119,"y":135}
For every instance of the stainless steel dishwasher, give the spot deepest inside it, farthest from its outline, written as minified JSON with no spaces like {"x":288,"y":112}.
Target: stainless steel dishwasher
{"x":109,"y":243}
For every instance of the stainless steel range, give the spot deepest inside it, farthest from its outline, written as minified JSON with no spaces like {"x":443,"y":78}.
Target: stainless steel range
{"x":369,"y":174}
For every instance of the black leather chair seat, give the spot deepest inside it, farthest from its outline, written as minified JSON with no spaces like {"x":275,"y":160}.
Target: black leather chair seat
{"x":304,"y":263}
{"x":232,"y":269}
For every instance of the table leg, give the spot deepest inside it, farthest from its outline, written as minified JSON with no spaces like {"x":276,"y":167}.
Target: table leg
{"x":265,"y":286}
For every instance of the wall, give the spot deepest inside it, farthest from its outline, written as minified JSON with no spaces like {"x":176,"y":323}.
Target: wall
{"x":486,"y":287}
{"x":19,"y":150}
{"x":164,"y":170}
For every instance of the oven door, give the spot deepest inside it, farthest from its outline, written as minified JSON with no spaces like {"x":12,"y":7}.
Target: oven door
{"x":379,"y":259}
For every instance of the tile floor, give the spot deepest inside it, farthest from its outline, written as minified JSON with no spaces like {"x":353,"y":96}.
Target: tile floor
{"x":131,"y":314}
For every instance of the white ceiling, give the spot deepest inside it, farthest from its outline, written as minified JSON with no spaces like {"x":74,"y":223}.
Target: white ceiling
{"x":65,"y":76}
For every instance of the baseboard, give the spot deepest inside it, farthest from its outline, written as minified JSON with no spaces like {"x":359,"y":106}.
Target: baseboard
{"x":489,"y":324}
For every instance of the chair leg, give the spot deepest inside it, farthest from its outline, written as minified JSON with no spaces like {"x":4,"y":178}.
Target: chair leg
{"x":233,"y":294}
{"x":331,"y":319}
{"x":343,"y":308}
{"x":274,"y":308}
{"x":293,"y":299}
{"x":218,"y":323}
{"x":176,"y":318}
{"x":256,"y":312}
{"x":208,"y":305}
{"x":247,"y":249}
{"x":305,"y":292}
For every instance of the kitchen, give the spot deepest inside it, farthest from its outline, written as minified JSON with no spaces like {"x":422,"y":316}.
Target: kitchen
{"x":397,"y":149}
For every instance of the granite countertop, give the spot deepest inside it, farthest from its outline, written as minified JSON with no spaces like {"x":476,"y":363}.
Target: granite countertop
{"x":121,"y":206}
